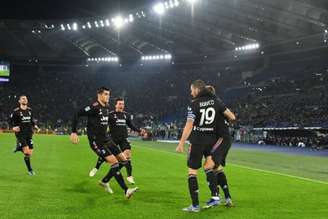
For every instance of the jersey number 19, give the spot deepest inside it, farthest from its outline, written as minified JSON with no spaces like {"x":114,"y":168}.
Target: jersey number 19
{"x":207,"y":117}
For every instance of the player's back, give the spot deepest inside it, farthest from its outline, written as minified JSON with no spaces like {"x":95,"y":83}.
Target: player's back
{"x":203,"y":110}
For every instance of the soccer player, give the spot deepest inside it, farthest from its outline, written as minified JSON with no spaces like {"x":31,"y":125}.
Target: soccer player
{"x":100,"y":142}
{"x":223,"y":145}
{"x":22,"y":121}
{"x":201,"y":127}
{"x":119,"y":133}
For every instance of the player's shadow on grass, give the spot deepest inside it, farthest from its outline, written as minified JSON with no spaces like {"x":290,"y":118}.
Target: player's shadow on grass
{"x":83,"y":187}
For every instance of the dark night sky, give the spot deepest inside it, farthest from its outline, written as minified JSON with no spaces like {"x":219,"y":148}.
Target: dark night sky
{"x":63,"y":9}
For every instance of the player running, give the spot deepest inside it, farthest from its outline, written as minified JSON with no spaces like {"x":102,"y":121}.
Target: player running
{"x":200,"y":126}
{"x":99,"y":140}
{"x":223,"y":145}
{"x":22,"y":121}
{"x":119,"y":133}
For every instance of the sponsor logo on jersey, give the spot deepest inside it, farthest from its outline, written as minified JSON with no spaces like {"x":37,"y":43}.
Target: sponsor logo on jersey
{"x":26,"y":119}
{"x":203,"y":129}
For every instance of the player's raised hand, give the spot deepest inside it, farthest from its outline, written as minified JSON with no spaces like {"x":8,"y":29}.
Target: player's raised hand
{"x":74,"y":138}
{"x":16,"y":129}
{"x":37,"y":128}
{"x":180,"y":148}
{"x":142,"y":132}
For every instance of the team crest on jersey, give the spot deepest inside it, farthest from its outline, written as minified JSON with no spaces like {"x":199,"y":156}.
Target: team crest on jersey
{"x":87,"y":109}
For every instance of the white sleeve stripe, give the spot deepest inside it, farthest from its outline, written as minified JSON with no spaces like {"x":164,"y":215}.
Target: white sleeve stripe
{"x":191,"y":116}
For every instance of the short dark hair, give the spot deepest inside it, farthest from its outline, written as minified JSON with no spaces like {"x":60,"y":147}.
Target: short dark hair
{"x":210,"y":89}
{"x":22,"y":95}
{"x":200,"y":84}
{"x":102,"y":89}
{"x":118,"y":99}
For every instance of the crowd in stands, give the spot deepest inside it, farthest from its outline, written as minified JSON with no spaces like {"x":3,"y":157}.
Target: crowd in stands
{"x":158,"y":100}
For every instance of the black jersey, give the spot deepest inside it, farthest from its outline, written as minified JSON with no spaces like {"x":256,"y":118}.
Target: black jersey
{"x":118,"y":127}
{"x":24,"y":119}
{"x":203,"y":111}
{"x":98,"y":119}
{"x":222,"y":129}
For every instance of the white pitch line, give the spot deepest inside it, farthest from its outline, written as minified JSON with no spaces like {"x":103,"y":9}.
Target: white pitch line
{"x":247,"y":167}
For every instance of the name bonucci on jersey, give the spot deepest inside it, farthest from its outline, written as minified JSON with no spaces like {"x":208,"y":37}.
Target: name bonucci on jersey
{"x":207,"y":103}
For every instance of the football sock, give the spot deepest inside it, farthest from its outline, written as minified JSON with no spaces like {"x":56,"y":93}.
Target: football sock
{"x":193,"y":189}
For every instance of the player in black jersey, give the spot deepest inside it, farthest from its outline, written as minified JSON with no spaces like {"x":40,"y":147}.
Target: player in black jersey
{"x":99,"y":140}
{"x":201,"y":127}
{"x":22,"y":121}
{"x":119,"y":133}
{"x":222,"y":146}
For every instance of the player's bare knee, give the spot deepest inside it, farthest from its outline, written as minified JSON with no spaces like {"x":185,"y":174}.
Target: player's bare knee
{"x":121,"y":157}
{"x":192,"y":172}
{"x":209,"y":163}
{"x":127,"y":154}
{"x":111,"y":159}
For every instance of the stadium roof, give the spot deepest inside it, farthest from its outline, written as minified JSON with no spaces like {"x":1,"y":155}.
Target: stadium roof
{"x":212,"y":26}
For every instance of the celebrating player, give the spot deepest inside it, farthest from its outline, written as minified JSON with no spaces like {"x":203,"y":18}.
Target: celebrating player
{"x":223,"y":145}
{"x":200,"y":126}
{"x":119,"y":133}
{"x":100,"y":142}
{"x":23,"y":123}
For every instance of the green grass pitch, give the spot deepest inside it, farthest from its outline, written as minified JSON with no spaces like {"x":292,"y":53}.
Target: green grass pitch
{"x":264,"y":185}
{"x":5,"y":73}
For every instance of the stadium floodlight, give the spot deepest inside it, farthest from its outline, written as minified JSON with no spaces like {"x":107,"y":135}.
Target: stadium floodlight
{"x":107,"y":22}
{"x":102,"y":23}
{"x":248,"y":47}
{"x":168,"y":56}
{"x":74,"y":26}
{"x":159,"y":8}
{"x":62,"y":27}
{"x":89,"y":25}
{"x":118,"y":22}
{"x":68,"y":26}
{"x":96,"y":24}
{"x":131,"y":19}
{"x":83,"y":26}
{"x":171,"y":3}
{"x":161,"y":57}
{"x":166,"y":4}
{"x":176,"y":3}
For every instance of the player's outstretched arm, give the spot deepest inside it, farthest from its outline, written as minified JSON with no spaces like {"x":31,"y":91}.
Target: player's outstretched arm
{"x":14,"y":122}
{"x":74,"y":138}
{"x":229,"y":115}
{"x":185,"y":135}
{"x":83,"y":112}
{"x":131,"y":124}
